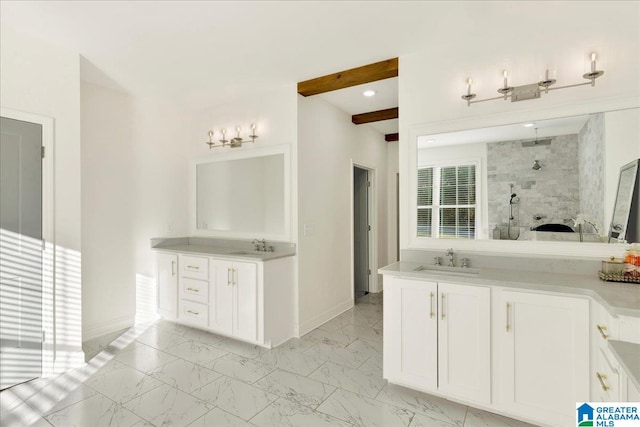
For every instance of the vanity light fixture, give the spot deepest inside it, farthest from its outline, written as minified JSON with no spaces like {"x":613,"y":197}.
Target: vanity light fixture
{"x":529,"y":125}
{"x":235,"y":142}
{"x":533,"y":90}
{"x":369,"y":93}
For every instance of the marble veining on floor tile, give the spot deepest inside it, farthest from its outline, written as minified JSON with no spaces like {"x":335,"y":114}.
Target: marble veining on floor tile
{"x":291,"y":360}
{"x":480,"y":418}
{"x":236,"y":397}
{"x":321,"y":336}
{"x":283,"y":412}
{"x":96,"y":411}
{"x":365,"y":412}
{"x":354,"y":380}
{"x":250,"y":351}
{"x":168,"y":406}
{"x":123,"y":383}
{"x":296,"y":388}
{"x":426,"y":404}
{"x":144,"y":358}
{"x":184,"y":375}
{"x":241,"y":368}
{"x":161,"y":338}
{"x":351,"y":357}
{"x":218,"y":417}
{"x":198,"y":353}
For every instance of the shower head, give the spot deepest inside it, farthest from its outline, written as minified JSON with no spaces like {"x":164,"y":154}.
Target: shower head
{"x":536,"y":165}
{"x":513,"y":196}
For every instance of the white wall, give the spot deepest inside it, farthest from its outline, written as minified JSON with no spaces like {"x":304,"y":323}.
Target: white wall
{"x":45,"y":80}
{"x":134,"y":175}
{"x":392,"y":202}
{"x":328,"y":143}
{"x":571,"y":33}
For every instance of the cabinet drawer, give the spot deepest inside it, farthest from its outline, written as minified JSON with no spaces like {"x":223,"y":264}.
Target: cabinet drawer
{"x":194,"y":313}
{"x":604,"y":326}
{"x":194,"y":267}
{"x":607,"y":378}
{"x":194,"y":290}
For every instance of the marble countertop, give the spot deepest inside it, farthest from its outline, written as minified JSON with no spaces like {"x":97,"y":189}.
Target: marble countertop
{"x":617,"y":298}
{"x":224,"y":252}
{"x":628,"y":355}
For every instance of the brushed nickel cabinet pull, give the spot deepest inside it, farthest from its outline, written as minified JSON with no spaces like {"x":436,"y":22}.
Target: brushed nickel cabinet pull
{"x":602,"y":330}
{"x":508,"y":309}
{"x":228,"y":277}
{"x":173,"y":268}
{"x":193,"y":290}
{"x":197,"y":313}
{"x":601,"y":378}
{"x":234,"y":276}
{"x":442,"y":305}
{"x":195,"y":267}
{"x":431,"y":313}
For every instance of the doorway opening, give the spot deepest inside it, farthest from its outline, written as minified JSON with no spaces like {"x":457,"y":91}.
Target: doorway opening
{"x":363,"y":230}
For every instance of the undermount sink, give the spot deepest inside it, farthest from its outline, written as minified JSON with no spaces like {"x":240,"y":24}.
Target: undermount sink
{"x":456,"y":271}
{"x":248,"y":253}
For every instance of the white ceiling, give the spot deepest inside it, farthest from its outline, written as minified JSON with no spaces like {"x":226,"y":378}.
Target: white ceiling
{"x":513,"y":132}
{"x":352,"y":101}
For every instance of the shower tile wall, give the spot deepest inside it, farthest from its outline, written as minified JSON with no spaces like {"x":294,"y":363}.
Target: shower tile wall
{"x":552,"y":191}
{"x":591,"y":165}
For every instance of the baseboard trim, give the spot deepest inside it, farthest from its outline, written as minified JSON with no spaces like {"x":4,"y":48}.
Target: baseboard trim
{"x":324,"y":317}
{"x":107,"y":327}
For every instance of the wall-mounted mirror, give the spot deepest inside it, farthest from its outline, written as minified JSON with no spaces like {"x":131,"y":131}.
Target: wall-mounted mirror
{"x":626,"y":216}
{"x":243,"y":195}
{"x":525,"y":181}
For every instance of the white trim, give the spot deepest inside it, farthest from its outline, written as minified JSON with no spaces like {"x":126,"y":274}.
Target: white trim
{"x":325,"y":316}
{"x":108,"y":326}
{"x":48,"y":234}
{"x":513,"y":247}
{"x":268,"y":150}
{"x":373,"y":221}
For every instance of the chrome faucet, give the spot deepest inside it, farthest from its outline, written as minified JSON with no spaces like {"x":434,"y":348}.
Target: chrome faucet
{"x":437,"y":260}
{"x":450,"y":255}
{"x":465,"y":263}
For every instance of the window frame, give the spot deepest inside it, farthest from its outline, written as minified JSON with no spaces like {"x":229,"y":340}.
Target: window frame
{"x":436,"y":207}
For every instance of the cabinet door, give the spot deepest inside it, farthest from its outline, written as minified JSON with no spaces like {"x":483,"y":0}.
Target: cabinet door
{"x":411,"y":333}
{"x":544,"y":354}
{"x":464,"y":364}
{"x":167,"y":285}
{"x":245,"y":300}
{"x":220,"y":296}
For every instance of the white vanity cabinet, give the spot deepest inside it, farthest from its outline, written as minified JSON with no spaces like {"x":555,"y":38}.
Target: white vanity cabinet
{"x":233,"y":299}
{"x":437,"y":337}
{"x":250,"y":301}
{"x":167,"y":273}
{"x":543,"y":354}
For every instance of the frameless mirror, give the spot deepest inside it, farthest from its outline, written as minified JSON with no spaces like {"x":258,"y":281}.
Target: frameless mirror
{"x":543,"y":180}
{"x":245,"y":195}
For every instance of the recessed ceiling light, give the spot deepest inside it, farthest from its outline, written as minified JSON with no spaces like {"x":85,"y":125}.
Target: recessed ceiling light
{"x":529,"y":125}
{"x":369,"y":93}
{"x":430,"y":141}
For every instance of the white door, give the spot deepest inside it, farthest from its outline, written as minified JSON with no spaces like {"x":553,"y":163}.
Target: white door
{"x":245,"y":300}
{"x":544,"y":354}
{"x":411,"y":340}
{"x":168,"y":285}
{"x":21,"y":251}
{"x":464,"y":344}
{"x":220,"y":296}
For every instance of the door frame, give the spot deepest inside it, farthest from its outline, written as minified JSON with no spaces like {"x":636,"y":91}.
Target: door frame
{"x":373,"y":221}
{"x":48,"y":234}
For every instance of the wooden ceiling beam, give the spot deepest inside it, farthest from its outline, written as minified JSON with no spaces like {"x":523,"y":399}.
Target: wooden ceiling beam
{"x":375,"y":116}
{"x":353,"y":77}
{"x":391,"y":137}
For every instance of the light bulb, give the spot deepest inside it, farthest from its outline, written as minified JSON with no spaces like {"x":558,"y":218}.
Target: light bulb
{"x":504,"y":74}
{"x":593,"y":56}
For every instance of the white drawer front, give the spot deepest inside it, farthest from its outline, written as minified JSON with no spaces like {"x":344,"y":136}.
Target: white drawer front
{"x":194,"y":267}
{"x":194,"y":313}
{"x":194,"y":290}
{"x":608,"y":384}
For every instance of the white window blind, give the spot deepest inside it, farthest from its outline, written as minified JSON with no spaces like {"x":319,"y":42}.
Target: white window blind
{"x":447,"y":201}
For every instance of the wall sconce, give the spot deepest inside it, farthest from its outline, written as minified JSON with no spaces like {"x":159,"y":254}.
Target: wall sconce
{"x":235,"y":142}
{"x":531,"y":91}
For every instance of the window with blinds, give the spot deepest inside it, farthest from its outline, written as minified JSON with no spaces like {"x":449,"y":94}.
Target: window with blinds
{"x":447,"y":202}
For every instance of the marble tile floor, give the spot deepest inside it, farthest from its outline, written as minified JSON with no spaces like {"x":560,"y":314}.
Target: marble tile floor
{"x":164,"y":374}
